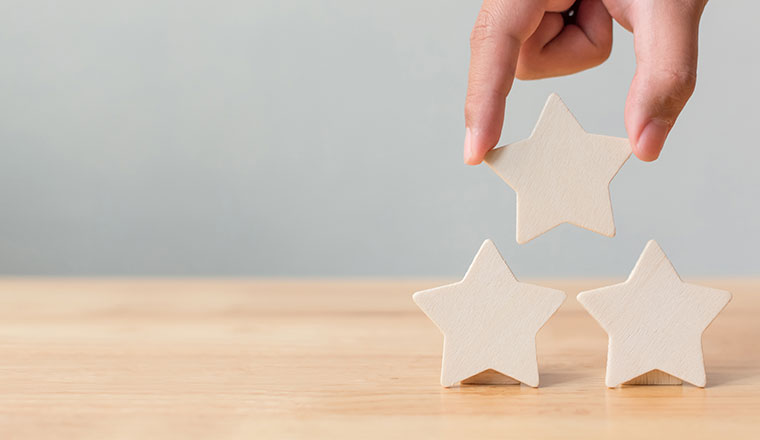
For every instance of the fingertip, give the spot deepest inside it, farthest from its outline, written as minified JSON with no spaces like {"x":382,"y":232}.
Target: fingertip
{"x":651,"y":140}
{"x":475,"y":147}
{"x":468,"y":157}
{"x":467,"y":148}
{"x":472,"y":161}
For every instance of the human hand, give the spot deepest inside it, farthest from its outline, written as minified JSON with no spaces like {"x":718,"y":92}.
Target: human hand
{"x":529,"y":39}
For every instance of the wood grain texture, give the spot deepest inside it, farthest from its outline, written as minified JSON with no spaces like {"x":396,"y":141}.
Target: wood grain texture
{"x":219,"y":359}
{"x":655,"y":377}
{"x":489,"y":321}
{"x":655,"y":321}
{"x":490,"y":377}
{"x":561,"y":174}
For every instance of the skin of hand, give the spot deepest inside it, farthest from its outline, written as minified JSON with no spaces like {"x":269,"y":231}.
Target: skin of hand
{"x":529,"y":39}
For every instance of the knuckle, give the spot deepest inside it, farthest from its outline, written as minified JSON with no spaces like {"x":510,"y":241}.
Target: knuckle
{"x":485,"y":27}
{"x":604,"y":49}
{"x":678,"y":86}
{"x":528,"y":67}
{"x":524,"y":71}
{"x":679,"y":83}
{"x":528,"y":74}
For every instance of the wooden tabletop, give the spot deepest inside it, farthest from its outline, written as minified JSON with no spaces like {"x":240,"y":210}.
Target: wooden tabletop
{"x":320,"y":359}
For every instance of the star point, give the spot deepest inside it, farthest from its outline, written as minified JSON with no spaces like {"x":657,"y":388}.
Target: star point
{"x":654,"y":321}
{"x":489,"y":320}
{"x":561,"y":174}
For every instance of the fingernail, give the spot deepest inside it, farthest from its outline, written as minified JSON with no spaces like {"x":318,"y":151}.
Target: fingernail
{"x":652,"y":140}
{"x":467,"y":145}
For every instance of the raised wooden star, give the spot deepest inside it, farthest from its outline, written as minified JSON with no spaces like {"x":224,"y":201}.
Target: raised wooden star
{"x":655,"y":323}
{"x":489,"y":321}
{"x":561,"y":174}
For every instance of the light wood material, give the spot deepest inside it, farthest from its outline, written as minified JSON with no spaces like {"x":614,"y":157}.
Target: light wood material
{"x":655,"y":322}
{"x":561,"y":174}
{"x":490,"y":377}
{"x":102,"y":359}
{"x":655,"y":377}
{"x":489,"y":321}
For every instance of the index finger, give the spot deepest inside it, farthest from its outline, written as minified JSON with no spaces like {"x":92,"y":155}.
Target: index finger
{"x":500,"y":29}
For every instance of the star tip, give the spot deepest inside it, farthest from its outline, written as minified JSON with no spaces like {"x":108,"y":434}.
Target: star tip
{"x":416,"y":297}
{"x":627,"y":147}
{"x":559,"y":297}
{"x":532,"y":381}
{"x":727,"y":297}
{"x":522,"y":240}
{"x":554,"y":100}
{"x":488,"y":158}
{"x":493,"y":155}
{"x":581,"y":298}
{"x":653,"y":246}
{"x":488,"y":246}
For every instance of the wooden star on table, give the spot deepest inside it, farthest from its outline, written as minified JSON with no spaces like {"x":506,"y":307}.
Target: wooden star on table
{"x":489,"y":321}
{"x":655,"y":323}
{"x":561,"y":174}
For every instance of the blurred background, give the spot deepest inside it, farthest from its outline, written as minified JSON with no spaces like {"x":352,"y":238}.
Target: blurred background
{"x":324,"y":138}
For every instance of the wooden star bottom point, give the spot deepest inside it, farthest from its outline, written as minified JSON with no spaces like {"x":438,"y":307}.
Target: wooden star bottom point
{"x":655,"y":377}
{"x":490,"y":377}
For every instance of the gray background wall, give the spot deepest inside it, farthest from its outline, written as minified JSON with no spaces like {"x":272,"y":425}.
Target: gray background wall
{"x":324,"y":138}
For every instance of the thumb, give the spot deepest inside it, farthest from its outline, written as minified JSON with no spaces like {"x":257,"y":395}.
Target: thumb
{"x":665,"y":40}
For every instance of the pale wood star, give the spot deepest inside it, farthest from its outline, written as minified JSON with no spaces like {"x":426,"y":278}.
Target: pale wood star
{"x":561,"y":174}
{"x":655,"y":323}
{"x":489,"y":321}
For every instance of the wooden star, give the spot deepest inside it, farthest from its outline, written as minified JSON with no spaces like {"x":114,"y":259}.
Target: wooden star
{"x":561,"y":174}
{"x":655,"y":323}
{"x":489,"y":321}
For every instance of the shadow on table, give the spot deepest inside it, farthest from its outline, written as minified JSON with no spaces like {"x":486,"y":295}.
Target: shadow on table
{"x":732,"y":377}
{"x":548,"y":380}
